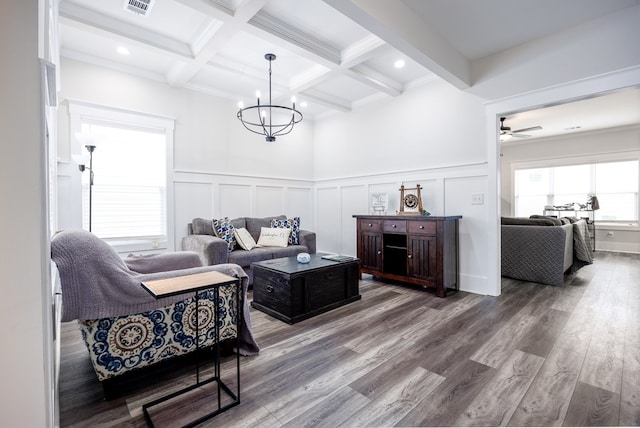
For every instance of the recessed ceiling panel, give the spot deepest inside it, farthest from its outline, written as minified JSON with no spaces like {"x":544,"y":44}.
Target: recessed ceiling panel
{"x":343,"y":87}
{"x":247,"y":51}
{"x":318,"y":20}
{"x":78,"y":42}
{"x":385,"y":61}
{"x":167,"y":17}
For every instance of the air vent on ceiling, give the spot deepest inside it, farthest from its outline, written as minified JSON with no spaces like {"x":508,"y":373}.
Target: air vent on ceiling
{"x":139,"y":7}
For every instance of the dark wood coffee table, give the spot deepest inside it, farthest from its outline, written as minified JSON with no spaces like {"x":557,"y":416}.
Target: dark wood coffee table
{"x":292,"y":291}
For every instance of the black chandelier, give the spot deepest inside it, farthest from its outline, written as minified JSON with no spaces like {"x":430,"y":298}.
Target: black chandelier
{"x":270,"y":120}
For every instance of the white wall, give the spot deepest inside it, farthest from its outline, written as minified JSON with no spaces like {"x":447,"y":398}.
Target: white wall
{"x":584,"y":147}
{"x":219,"y":169}
{"x":24,"y":247}
{"x":432,"y":136}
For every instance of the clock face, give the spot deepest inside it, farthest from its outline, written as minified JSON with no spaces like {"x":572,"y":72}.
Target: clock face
{"x":411,"y":201}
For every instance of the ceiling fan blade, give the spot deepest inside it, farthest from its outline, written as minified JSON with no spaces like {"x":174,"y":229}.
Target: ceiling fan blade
{"x":533,"y":128}
{"x":520,"y":135}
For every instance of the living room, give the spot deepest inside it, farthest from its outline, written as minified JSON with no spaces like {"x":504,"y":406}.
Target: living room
{"x":219,"y":169}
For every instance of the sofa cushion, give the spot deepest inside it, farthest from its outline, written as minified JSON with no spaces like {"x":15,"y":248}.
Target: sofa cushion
{"x":523,"y":221}
{"x":255,"y":225}
{"x":201,"y":226}
{"x":239,"y":222}
{"x":244,"y":238}
{"x":556,"y":221}
{"x":245,"y":258}
{"x":290,"y":223}
{"x":224,"y":230}
{"x":289,"y":251}
{"x":274,"y":237}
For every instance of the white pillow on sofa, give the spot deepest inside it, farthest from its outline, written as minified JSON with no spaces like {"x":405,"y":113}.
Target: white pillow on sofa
{"x":273,"y":237}
{"x":244,"y":239}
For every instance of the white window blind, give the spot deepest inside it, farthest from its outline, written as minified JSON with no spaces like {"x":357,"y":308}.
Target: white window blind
{"x":128,"y":196}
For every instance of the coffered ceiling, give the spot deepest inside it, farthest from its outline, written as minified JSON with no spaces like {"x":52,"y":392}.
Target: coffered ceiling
{"x":331,"y":54}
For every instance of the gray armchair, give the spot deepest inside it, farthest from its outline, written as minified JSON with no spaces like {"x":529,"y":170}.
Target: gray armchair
{"x":123,"y":326}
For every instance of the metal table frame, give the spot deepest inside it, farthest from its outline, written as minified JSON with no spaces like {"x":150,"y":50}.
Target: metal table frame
{"x":221,"y":385}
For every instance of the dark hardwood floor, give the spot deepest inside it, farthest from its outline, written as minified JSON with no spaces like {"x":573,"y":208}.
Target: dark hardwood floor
{"x":535,"y":356}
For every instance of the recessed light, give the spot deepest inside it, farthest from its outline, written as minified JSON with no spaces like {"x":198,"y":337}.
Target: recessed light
{"x":122,"y":50}
{"x":303,"y":104}
{"x":399,"y":63}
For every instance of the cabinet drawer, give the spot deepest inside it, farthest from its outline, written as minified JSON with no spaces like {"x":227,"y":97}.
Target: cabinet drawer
{"x":422,"y":227}
{"x":372,"y":225}
{"x":395,"y":226}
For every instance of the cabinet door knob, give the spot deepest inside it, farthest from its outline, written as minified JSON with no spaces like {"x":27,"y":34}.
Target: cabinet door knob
{"x":379,"y":252}
{"x":409,"y":256}
{"x":421,"y":227}
{"x":393,"y":225}
{"x":370,"y":225}
{"x":269,"y":289}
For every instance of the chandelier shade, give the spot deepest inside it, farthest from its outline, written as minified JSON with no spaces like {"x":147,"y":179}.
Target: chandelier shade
{"x":268,"y":119}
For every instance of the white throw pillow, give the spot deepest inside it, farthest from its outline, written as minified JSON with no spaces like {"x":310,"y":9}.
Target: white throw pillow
{"x":274,"y":237}
{"x":244,"y":239}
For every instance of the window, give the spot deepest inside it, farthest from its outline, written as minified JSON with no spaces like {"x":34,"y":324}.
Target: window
{"x":128,"y":197}
{"x":614,"y":183}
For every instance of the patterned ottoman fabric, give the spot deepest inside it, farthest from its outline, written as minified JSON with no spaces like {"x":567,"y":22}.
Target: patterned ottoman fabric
{"x":119,"y":344}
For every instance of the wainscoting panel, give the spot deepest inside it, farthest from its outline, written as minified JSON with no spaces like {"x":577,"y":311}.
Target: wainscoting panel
{"x":473,"y":231}
{"x":234,"y":200}
{"x":298,"y":203}
{"x":353,"y":200}
{"x":269,"y":201}
{"x":328,"y":220}
{"x":191,"y":200}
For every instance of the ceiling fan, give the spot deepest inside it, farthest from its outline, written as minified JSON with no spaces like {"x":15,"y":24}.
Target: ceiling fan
{"x":506,"y":132}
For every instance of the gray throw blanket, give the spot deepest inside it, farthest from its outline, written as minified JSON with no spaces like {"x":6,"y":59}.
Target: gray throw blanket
{"x":582,"y":251}
{"x":96,"y":283}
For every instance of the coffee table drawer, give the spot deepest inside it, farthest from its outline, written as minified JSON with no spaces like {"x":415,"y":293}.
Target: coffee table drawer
{"x":325,"y":288}
{"x":278,"y":293}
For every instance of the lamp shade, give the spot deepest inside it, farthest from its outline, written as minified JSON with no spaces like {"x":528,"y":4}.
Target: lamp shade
{"x":85,"y":139}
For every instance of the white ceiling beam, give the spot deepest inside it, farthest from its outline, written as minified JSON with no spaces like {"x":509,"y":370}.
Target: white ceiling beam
{"x":397,"y":25}
{"x":382,"y":83}
{"x":361,"y":51}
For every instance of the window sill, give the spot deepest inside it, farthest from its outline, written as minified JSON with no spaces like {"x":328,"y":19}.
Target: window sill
{"x":144,"y":245}
{"x":631,"y":226}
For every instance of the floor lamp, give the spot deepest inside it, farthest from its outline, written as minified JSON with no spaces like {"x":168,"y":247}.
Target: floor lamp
{"x":85,"y":138}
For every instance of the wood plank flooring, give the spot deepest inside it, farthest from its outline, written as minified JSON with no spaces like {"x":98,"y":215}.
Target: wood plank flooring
{"x":535,"y":356}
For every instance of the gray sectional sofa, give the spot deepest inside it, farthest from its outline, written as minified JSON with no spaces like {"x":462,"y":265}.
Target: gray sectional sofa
{"x":542,"y":250}
{"x":213,"y":250}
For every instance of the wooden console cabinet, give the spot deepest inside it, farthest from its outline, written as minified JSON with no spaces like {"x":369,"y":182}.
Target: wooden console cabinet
{"x":421,"y":250}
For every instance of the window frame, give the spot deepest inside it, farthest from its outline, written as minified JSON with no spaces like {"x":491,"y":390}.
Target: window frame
{"x":81,"y":112}
{"x":632,"y":155}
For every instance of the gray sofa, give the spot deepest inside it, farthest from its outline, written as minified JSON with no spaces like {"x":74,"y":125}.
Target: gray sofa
{"x":537,"y":250}
{"x":213,"y":250}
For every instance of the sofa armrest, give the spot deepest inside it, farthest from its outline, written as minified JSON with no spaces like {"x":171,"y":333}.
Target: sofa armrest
{"x":211,"y":249}
{"x":534,"y":253}
{"x":163,"y":262}
{"x":308,"y":239}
